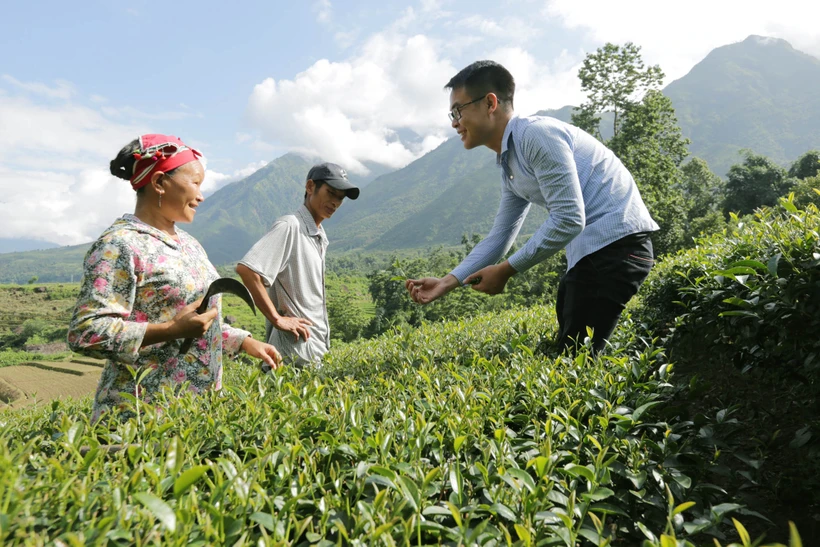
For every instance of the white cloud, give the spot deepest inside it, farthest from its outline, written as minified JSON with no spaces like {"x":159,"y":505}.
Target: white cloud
{"x":323,"y":10}
{"x":128,"y":112}
{"x":54,"y":179}
{"x":435,"y":9}
{"x":353,"y":110}
{"x":350,"y":111}
{"x":509,"y":28}
{"x":678,"y":36}
{"x":215,"y":180}
{"x":62,"y":136}
{"x":345,"y":39}
{"x":62,"y":207}
{"x":431,"y":5}
{"x":542,"y":84}
{"x":62,"y":89}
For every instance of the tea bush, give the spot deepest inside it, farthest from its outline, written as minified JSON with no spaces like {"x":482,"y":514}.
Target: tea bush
{"x":751,"y":295}
{"x":453,"y":433}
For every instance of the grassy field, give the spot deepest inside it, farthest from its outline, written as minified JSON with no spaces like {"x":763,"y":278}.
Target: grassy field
{"x":51,"y":302}
{"x":35,"y":363}
{"x":44,"y":381}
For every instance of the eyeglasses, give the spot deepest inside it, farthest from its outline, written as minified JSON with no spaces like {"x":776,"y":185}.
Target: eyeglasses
{"x":455,"y":113}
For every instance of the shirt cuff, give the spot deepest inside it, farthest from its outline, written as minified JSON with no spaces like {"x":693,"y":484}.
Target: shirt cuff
{"x":232,"y":340}
{"x":460,"y":274}
{"x":521,"y":263}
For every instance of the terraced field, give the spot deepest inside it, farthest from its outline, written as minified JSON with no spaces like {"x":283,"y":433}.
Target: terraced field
{"x":37,"y":382}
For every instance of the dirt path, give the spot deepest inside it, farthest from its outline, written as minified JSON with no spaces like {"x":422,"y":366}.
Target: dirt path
{"x":44,"y":381}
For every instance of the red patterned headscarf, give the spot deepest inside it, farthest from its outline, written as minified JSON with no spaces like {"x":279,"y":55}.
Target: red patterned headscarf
{"x":159,"y":153}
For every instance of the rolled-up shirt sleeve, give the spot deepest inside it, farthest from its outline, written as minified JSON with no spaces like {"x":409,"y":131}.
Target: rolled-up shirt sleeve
{"x":232,"y":339}
{"x":269,"y":255}
{"x":548,"y":152}
{"x":508,"y":221}
{"x":100,"y":325}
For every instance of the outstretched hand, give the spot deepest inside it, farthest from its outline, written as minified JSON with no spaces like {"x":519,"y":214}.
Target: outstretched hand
{"x":269,"y":354}
{"x":428,"y":289}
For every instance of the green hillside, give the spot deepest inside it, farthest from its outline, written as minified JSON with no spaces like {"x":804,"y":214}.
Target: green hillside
{"x":759,"y":94}
{"x":15,"y":245}
{"x":234,"y":217}
{"x":434,"y":200}
{"x":49,"y":265}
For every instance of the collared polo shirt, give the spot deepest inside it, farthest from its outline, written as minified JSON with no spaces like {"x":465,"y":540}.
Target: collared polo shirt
{"x":290,"y":259}
{"x":590,"y":195}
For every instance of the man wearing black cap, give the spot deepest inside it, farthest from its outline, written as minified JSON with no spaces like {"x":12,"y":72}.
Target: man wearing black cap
{"x":285,"y":270}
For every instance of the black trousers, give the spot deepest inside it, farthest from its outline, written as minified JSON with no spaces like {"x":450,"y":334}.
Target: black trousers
{"x":595,"y":291}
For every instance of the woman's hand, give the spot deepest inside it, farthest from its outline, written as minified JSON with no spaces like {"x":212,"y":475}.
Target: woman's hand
{"x":187,"y":323}
{"x":268,"y":353}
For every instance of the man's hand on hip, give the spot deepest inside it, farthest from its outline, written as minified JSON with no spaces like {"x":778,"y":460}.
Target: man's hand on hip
{"x":297,"y":326}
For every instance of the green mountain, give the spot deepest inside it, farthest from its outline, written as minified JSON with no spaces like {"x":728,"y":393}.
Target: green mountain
{"x":759,"y":94}
{"x":230,"y":221}
{"x":15,"y":245}
{"x":50,"y":265}
{"x":432,"y":201}
{"x":233,"y":218}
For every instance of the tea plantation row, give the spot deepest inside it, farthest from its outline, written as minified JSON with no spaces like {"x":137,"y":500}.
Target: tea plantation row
{"x":462,"y":433}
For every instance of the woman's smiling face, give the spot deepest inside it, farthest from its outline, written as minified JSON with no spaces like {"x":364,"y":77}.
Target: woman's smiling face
{"x":182,"y":192}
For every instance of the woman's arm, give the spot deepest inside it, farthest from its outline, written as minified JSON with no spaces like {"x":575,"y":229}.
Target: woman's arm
{"x":103,"y":324}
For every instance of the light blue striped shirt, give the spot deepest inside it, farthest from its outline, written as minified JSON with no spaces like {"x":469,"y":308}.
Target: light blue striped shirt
{"x":591,"y":197}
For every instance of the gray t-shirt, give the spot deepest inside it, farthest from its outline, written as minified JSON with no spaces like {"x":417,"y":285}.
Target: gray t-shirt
{"x":290,"y":258}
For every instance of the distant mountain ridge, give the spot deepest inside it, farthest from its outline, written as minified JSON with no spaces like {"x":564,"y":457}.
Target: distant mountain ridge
{"x":16,"y":245}
{"x":758,"y":94}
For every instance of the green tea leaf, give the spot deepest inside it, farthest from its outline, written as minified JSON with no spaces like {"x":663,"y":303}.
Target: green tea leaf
{"x":188,"y":478}
{"x":580,"y":471}
{"x":750,"y":264}
{"x":504,"y":511}
{"x":683,"y":507}
{"x":161,"y":510}
{"x":794,"y":537}
{"x":458,"y":442}
{"x":264,"y":519}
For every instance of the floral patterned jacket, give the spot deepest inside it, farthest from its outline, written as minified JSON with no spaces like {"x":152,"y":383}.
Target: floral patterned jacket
{"x":135,"y":274}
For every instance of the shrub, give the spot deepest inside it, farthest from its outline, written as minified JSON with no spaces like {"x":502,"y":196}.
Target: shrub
{"x":450,"y":433}
{"x":752,"y":295}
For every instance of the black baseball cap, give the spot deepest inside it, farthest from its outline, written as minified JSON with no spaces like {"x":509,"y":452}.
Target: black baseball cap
{"x":335,"y":176}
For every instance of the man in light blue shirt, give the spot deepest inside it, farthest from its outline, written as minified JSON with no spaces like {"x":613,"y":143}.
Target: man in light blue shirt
{"x":595,"y":209}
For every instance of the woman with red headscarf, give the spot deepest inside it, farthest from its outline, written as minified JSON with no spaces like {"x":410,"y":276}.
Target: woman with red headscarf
{"x":143,"y":279}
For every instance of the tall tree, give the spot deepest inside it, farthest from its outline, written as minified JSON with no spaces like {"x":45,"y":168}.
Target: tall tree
{"x":646,"y":136}
{"x":756,"y":182}
{"x":614,"y":79}
{"x":807,"y":165}
{"x":702,"y":189}
{"x":703,"y":194}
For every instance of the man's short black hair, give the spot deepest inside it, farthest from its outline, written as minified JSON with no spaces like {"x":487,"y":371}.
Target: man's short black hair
{"x":484,"y":77}
{"x":316,"y":185}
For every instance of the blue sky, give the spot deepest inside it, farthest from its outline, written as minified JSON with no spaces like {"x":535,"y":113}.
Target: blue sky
{"x":248,"y":81}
